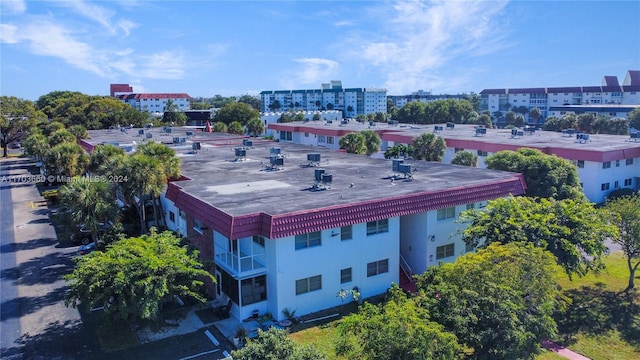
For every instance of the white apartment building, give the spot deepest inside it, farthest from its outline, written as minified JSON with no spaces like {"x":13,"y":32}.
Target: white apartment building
{"x":155,"y":103}
{"x":609,"y":93}
{"x":331,"y":96}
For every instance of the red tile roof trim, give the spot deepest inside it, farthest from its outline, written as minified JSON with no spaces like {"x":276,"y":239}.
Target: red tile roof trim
{"x":306,"y":221}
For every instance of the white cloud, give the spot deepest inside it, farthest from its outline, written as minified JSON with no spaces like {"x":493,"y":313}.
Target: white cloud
{"x":162,"y":65}
{"x":101,"y":15}
{"x":312,"y":71}
{"x":420,"y":38}
{"x":13,"y":6}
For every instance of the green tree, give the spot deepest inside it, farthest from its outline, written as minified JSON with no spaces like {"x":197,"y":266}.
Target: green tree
{"x":52,"y":127}
{"x":286,"y":117}
{"x":253,"y":101}
{"x":465,"y":158}
{"x":484,"y":119}
{"x":412,"y":113}
{"x":91,"y":203}
{"x":398,"y":150}
{"x":545,"y":175}
{"x":36,"y":145}
{"x":61,"y":136}
{"x":586,"y":122}
{"x":274,"y":344}
{"x":382,"y":332}
{"x":255,"y":127}
{"x":372,"y":141}
{"x":510,"y":118}
{"x":499,"y":302}
{"x":626,"y":211}
{"x":134,"y":279}
{"x":316,"y":117}
{"x":573,"y":230}
{"x":101,"y":154}
{"x":535,"y":114}
{"x":429,"y":147}
{"x":235,"y":111}
{"x":354,"y":143}
{"x":16,"y":117}
{"x":634,"y":119}
{"x":173,"y":115}
{"x":66,"y":159}
{"x":235,"y":128}
{"x":219,"y":127}
{"x":79,"y":131}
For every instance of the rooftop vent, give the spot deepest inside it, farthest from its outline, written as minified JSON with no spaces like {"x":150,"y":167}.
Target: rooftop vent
{"x":241,"y":153}
{"x":395,"y":164}
{"x":274,"y":150}
{"x":313,"y":159}
{"x":437,"y":128}
{"x":149,"y":135}
{"x":196,"y":146}
{"x":148,"y":126}
{"x":569,"y":132}
{"x":322,"y":180}
{"x":247,"y":143}
{"x":450,"y":126}
{"x":167,"y":130}
{"x":406,"y":169}
{"x":372,"y":123}
{"x":481,"y":131}
{"x":582,"y":138}
{"x":392,"y":122}
{"x":189,"y":133}
{"x":179,"y":140}
{"x":635,"y":137}
{"x":141,"y":132}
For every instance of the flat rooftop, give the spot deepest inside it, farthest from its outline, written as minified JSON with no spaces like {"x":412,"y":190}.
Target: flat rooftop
{"x":538,"y":139}
{"x":246,"y":185}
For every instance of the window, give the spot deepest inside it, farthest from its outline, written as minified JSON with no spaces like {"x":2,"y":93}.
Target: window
{"x":627,"y":182}
{"x":482,"y":153}
{"x":197,"y":226}
{"x":471,"y":206}
{"x":378,"y":227}
{"x":604,"y":186}
{"x":308,"y":284}
{"x":286,"y":135}
{"x":446,"y":213}
{"x":469,"y":247}
{"x":617,"y":163}
{"x":580,"y":164}
{"x":308,"y":240}
{"x":258,"y":240}
{"x":629,"y":162}
{"x":444,"y":251}
{"x":346,"y":232}
{"x":616,"y":184}
{"x":172,"y":216}
{"x":254,"y":290}
{"x":457,"y":150}
{"x":306,"y":134}
{"x":377,"y":267}
{"x":322,"y":139}
{"x":606,"y":164}
{"x":345,"y":275}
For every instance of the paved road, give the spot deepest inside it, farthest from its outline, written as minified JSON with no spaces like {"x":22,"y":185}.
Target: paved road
{"x":32,"y":299}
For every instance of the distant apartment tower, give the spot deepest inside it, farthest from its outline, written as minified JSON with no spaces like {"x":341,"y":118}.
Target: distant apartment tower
{"x":149,"y":102}
{"x":331,"y":96}
{"x":550,"y":100}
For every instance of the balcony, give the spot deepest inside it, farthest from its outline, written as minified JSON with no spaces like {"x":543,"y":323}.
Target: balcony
{"x":243,"y":256}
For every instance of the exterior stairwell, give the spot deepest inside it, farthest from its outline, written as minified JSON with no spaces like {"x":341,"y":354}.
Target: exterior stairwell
{"x":407,"y":282}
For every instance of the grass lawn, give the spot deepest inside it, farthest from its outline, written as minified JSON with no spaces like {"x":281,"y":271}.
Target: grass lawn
{"x":601,"y":323}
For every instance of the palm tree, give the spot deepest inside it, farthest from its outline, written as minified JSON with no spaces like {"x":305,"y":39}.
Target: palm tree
{"x":465,"y":158}
{"x":92,"y":203}
{"x":144,"y":178}
{"x":235,"y":128}
{"x":219,"y":127}
{"x":535,"y":114}
{"x":36,"y":145}
{"x":428,"y":147}
{"x":101,"y":154}
{"x":255,"y":127}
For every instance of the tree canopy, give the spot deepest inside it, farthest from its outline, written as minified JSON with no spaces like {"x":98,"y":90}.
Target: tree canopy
{"x":255,"y":127}
{"x":572,"y":230}
{"x":499,"y":301}
{"x":354,"y":143}
{"x":134,"y":278}
{"x":397,"y":329}
{"x":16,"y":117}
{"x":398,"y":150}
{"x":626,"y":217}
{"x":236,"y":111}
{"x":465,"y":158}
{"x":372,"y":141}
{"x":429,"y":147}
{"x":274,"y":344}
{"x":634,"y":118}
{"x":545,"y":175}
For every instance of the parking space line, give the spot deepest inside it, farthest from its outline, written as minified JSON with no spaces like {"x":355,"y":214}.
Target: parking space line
{"x":212,"y":338}
{"x":200,"y":354}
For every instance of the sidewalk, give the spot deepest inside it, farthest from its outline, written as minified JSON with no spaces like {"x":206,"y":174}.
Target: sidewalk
{"x":562,"y":351}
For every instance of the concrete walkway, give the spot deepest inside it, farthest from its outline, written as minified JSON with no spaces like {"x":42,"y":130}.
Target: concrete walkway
{"x":563,"y":351}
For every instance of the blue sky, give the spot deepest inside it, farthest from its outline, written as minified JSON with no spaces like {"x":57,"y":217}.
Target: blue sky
{"x":230,"y":48}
